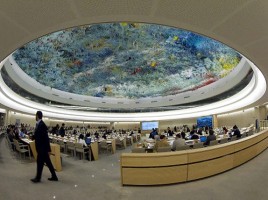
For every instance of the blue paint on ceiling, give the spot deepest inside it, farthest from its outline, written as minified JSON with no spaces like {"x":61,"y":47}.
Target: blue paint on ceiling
{"x":126,"y":60}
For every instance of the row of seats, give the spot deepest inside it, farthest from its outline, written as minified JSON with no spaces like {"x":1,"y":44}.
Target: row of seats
{"x":195,"y":146}
{"x":73,"y":148}
{"x":18,"y":147}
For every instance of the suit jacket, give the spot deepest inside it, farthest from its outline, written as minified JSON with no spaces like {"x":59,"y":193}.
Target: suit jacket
{"x":237,"y":133}
{"x":42,"y":143}
{"x":210,"y":138}
{"x":194,"y":137}
{"x":178,"y":142}
{"x":62,"y":132}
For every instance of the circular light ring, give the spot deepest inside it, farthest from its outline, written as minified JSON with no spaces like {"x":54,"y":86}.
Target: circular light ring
{"x":211,"y":90}
{"x":250,"y":94}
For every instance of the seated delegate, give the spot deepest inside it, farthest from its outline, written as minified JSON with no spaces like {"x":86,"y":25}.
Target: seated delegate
{"x":178,"y":142}
{"x":81,"y":140}
{"x":210,"y":137}
{"x":193,"y":135}
{"x":236,"y":132}
{"x":162,"y":143}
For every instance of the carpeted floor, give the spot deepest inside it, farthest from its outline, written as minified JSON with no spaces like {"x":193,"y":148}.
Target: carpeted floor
{"x":101,"y":180}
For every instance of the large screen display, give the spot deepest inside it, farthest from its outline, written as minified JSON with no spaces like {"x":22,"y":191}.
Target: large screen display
{"x":148,"y":125}
{"x":205,"y":121}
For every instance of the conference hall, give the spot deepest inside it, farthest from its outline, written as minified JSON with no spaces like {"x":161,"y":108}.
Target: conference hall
{"x":142,"y":99}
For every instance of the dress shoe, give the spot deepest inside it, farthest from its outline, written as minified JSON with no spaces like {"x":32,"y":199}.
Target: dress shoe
{"x":53,"y":179}
{"x":35,"y":180}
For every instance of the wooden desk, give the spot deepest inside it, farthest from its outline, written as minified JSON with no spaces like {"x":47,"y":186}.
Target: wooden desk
{"x":188,"y":165}
{"x":153,"y":169}
{"x":54,"y":155}
{"x":125,"y":142}
{"x":95,"y":150}
{"x":32,"y":146}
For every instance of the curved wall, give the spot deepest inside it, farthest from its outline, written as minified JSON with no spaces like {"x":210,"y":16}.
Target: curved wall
{"x":188,"y":165}
{"x":243,"y":118}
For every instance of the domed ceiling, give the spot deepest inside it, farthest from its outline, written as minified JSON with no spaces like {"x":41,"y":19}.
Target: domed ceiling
{"x":126,"y":60}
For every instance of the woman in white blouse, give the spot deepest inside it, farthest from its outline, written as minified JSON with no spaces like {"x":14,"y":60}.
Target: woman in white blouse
{"x":82,"y":140}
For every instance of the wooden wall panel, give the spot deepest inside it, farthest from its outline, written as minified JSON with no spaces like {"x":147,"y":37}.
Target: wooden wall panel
{"x":262,"y":146}
{"x":153,"y":159}
{"x":208,"y":168}
{"x":210,"y":152}
{"x":156,"y":168}
{"x":154,"y":176}
{"x":245,"y":143}
{"x":33,"y":149}
{"x":95,"y":150}
{"x":55,"y":155}
{"x":241,"y":157}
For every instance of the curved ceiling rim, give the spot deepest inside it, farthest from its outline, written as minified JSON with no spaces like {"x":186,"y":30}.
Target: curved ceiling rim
{"x":131,"y":16}
{"x":31,"y":85}
{"x":105,"y":118}
{"x":260,"y":84}
{"x":21,"y":99}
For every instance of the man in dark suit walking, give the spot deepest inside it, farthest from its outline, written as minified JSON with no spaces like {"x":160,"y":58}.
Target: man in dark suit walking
{"x":42,"y":146}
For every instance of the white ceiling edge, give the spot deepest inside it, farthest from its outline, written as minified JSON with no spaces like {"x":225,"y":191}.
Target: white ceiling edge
{"x":2,"y":110}
{"x":213,"y":89}
{"x":250,"y":94}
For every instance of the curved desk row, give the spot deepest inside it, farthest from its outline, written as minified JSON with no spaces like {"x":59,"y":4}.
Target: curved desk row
{"x":94,"y":145}
{"x":188,"y":165}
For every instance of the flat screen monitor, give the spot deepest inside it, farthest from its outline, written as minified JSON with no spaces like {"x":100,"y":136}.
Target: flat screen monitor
{"x":145,"y":126}
{"x":205,"y":121}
